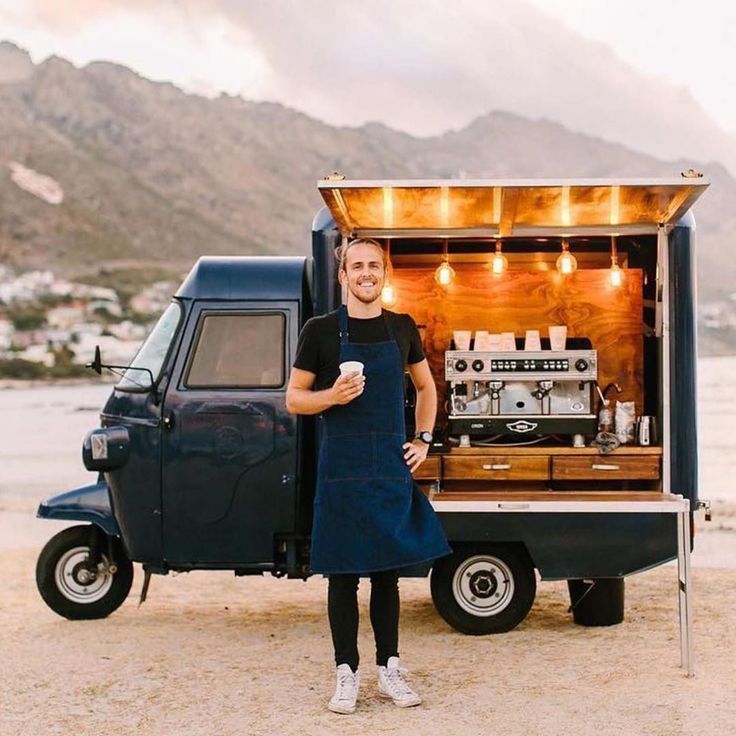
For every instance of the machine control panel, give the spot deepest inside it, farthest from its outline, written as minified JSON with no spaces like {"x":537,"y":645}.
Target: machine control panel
{"x":566,"y":365}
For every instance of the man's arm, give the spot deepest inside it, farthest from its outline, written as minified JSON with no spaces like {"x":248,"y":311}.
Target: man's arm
{"x":425,"y":413}
{"x":301,"y":399}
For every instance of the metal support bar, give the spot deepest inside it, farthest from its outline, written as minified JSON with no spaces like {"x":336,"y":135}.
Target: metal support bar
{"x":684,"y":592}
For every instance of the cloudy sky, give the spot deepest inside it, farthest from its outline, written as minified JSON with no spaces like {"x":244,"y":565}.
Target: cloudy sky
{"x":310,"y":54}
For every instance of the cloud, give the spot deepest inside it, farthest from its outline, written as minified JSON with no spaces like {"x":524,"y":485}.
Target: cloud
{"x":422,"y":66}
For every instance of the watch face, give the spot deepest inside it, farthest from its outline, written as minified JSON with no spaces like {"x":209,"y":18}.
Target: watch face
{"x":426,"y":437}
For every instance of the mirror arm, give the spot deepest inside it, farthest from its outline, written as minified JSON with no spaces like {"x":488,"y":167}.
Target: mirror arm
{"x":97,"y":365}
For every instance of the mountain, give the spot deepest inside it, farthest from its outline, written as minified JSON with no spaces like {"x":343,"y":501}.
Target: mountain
{"x":15,"y":64}
{"x":143,"y":172}
{"x":429,"y":66}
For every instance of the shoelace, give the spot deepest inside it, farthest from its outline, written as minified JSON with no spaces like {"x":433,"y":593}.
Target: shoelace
{"x":395,"y":679}
{"x":345,"y":683}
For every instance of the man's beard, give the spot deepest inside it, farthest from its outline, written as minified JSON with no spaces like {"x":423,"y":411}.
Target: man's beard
{"x":362,"y":297}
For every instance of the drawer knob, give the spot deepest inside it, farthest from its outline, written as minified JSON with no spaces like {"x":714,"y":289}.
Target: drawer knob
{"x":498,"y":466}
{"x":604,"y":466}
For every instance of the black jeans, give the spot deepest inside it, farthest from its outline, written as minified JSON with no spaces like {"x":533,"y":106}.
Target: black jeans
{"x":342,"y":610}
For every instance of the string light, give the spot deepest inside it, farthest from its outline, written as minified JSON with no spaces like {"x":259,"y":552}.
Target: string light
{"x":566,"y":263}
{"x":616,"y":274}
{"x":499,"y":262}
{"x":445,"y":273}
{"x":388,"y":295}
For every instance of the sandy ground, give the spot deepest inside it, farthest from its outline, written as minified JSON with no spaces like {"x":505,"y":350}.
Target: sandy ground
{"x":211,"y":654}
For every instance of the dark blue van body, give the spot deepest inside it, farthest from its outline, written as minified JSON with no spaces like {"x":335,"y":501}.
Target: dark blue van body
{"x":224,"y":477}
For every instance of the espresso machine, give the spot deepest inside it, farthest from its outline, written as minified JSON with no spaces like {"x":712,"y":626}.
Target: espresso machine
{"x":521,"y":393}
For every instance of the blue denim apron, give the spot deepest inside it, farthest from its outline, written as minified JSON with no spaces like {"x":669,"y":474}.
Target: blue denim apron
{"x":368,"y":513}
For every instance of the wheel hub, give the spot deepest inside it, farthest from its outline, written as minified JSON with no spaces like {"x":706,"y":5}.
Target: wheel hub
{"x":483,"y":585}
{"x":83,"y":575}
{"x":77,"y":581}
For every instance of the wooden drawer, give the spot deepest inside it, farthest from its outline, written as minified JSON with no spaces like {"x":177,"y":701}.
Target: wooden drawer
{"x":430,"y":469}
{"x":496,"y":467}
{"x":605,"y":467}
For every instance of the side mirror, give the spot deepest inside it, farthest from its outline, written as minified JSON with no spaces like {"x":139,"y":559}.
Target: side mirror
{"x":96,"y":364}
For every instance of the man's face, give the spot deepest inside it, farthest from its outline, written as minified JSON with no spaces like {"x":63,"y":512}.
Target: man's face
{"x":364,"y":272}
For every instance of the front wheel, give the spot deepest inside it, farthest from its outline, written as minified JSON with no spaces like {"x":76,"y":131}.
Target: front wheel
{"x":77,"y":588}
{"x":484,"y":588}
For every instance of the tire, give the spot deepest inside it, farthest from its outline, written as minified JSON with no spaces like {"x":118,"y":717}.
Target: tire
{"x":60,"y":573}
{"x":484,"y":588}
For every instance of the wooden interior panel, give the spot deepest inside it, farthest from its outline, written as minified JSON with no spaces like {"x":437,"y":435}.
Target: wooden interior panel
{"x":641,"y":467}
{"x":496,"y":467}
{"x":520,"y":300}
{"x":449,"y":205}
{"x":430,"y":469}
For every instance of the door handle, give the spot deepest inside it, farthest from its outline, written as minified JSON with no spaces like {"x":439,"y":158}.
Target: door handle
{"x":168,"y":420}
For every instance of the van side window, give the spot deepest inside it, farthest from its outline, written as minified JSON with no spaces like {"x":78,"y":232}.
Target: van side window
{"x":238,"y":351}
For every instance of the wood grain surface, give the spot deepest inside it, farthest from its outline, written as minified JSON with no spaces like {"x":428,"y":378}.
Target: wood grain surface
{"x":517,"y":301}
{"x":643,"y":467}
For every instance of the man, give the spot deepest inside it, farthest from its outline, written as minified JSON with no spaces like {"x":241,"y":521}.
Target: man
{"x":369,"y":517}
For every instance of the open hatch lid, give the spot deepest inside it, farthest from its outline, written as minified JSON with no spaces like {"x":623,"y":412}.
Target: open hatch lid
{"x":507,"y":207}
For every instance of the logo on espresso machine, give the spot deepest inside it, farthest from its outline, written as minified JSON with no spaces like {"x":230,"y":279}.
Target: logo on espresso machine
{"x":521,"y":426}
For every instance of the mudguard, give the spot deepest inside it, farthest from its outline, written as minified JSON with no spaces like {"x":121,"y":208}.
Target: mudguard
{"x":88,"y":503}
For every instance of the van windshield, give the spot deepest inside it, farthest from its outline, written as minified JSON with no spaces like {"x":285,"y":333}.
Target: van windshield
{"x":153,"y":352}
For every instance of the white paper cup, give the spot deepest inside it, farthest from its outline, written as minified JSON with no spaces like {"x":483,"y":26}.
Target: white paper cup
{"x":481,"y":340}
{"x":350,"y":366}
{"x":532,"y":341}
{"x":557,"y":337}
{"x":508,"y":341}
{"x":462,"y":339}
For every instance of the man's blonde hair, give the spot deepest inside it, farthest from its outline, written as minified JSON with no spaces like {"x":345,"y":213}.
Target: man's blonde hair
{"x":342,"y":251}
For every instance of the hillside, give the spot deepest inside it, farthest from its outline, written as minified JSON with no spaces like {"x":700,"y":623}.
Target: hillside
{"x":149,"y":173}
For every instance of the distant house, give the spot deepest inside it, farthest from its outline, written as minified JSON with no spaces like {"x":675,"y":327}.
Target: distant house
{"x":66,"y":316}
{"x":37,"y":354}
{"x":6,"y":333}
{"x":153,"y":299}
{"x":111,"y":307}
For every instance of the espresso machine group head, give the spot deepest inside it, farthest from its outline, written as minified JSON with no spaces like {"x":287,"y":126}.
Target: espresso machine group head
{"x":521,"y":392}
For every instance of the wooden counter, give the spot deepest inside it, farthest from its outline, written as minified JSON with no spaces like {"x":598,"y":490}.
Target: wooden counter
{"x":549,"y":468}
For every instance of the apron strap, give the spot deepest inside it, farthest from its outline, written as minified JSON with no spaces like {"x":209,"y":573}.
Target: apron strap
{"x":343,"y":322}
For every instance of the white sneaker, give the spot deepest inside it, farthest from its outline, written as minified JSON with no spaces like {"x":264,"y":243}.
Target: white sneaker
{"x":346,"y":692}
{"x":391,"y":684}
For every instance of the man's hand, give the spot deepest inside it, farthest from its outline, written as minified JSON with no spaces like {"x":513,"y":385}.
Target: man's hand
{"x":415,"y":453}
{"x":348,"y":387}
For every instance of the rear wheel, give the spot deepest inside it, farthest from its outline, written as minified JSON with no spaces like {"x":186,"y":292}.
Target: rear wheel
{"x":484,"y":588}
{"x":79,"y":582}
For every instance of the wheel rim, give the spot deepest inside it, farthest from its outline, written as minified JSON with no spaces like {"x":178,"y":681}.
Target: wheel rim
{"x":76,"y":583}
{"x":483,"y":585}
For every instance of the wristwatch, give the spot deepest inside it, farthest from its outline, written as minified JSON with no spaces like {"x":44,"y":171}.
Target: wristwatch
{"x":425,"y":437}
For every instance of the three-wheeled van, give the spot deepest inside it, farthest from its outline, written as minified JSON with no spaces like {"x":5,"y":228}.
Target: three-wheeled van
{"x":535,"y":300}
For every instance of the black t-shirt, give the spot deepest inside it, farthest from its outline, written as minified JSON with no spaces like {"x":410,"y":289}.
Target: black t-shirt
{"x":318,"y":350}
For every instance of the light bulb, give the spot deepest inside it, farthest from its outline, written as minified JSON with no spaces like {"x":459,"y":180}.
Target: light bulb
{"x":566,"y":263}
{"x":445,"y":274}
{"x":616,"y":275}
{"x":499,"y":262}
{"x":388,"y":295}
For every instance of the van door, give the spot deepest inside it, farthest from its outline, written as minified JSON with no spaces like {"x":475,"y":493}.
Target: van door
{"x":229,"y":445}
